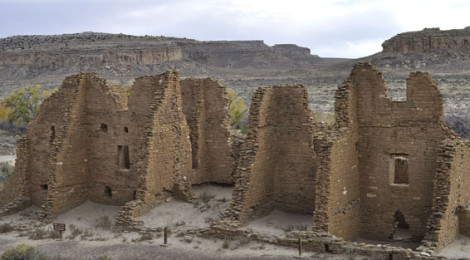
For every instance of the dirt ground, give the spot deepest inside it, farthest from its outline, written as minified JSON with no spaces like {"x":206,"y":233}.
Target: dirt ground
{"x":90,"y":233}
{"x":88,"y":236}
{"x":8,"y":158}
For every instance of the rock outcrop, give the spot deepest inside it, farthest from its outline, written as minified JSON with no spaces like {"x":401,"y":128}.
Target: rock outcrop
{"x":429,"y":40}
{"x":46,"y":59}
{"x":431,"y":48}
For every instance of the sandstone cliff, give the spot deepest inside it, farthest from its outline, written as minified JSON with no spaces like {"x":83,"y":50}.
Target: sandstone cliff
{"x":46,"y":59}
{"x":431,"y":49}
{"x":429,"y":40}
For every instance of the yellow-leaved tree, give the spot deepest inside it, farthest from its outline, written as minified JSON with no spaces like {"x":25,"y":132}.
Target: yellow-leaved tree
{"x":4,"y":111}
{"x":238,"y":111}
{"x":23,"y":104}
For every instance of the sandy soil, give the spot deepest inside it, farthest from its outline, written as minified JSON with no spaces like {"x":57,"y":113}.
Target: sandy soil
{"x":92,"y":239}
{"x":278,"y":223}
{"x":459,"y":249}
{"x":8,"y":158}
{"x":211,"y":203}
{"x":179,"y":216}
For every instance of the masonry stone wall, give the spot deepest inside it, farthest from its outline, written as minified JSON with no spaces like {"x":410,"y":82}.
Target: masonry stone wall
{"x":389,"y":131}
{"x":62,"y":141}
{"x":277,"y":162}
{"x":374,"y":169}
{"x":164,"y":162}
{"x":108,"y":128}
{"x":95,"y":141}
{"x":15,"y":193}
{"x":381,"y":166}
{"x":205,"y":105}
{"x":451,"y":197}
{"x":337,"y":209}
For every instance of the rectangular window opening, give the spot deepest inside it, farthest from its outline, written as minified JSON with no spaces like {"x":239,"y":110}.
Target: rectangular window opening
{"x":400,"y":169}
{"x":123,"y":157}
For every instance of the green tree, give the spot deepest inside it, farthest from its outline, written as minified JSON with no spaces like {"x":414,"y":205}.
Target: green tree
{"x":23,"y":104}
{"x":238,"y":111}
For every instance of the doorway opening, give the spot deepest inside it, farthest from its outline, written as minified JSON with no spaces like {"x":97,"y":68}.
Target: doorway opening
{"x":401,"y":229}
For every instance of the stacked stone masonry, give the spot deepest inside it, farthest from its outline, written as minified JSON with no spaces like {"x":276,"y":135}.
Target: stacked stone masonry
{"x":382,"y":168}
{"x":276,"y":167}
{"x":205,"y":105}
{"x":96,"y":141}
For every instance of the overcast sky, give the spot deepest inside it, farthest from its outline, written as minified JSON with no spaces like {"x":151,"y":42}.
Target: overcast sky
{"x":330,"y":28}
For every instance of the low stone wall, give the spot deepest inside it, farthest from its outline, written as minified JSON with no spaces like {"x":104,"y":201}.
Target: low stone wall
{"x":321,"y":243}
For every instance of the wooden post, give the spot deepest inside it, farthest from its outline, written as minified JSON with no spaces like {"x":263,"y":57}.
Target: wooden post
{"x":165,"y":235}
{"x":300,"y":247}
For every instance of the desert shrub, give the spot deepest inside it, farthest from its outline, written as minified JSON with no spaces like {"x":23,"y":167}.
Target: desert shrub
{"x":54,"y":234}
{"x":104,"y":222}
{"x":86,"y":233}
{"x":38,"y":233}
{"x":74,"y":231}
{"x":145,"y":237}
{"x":5,"y":170}
{"x":206,"y":196}
{"x":460,"y":123}
{"x":226,"y":244}
{"x":23,"y":252}
{"x":5,"y":228}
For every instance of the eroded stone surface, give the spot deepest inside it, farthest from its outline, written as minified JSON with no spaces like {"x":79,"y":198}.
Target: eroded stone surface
{"x":384,"y":167}
{"x":95,"y":141}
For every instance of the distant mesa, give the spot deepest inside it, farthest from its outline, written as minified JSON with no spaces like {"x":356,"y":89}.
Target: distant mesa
{"x":430,"y":48}
{"x":46,"y":59}
{"x":429,"y":39}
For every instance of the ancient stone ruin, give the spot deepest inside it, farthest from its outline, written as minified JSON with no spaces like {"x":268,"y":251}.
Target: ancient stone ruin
{"x":277,"y":166}
{"x":94,"y":141}
{"x":384,"y":170}
{"x":205,"y":106}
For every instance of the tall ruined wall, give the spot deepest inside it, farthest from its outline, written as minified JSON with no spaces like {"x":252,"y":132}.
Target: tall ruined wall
{"x":164,"y":162}
{"x":337,"y":205}
{"x":67,"y":178}
{"x":397,"y":151}
{"x":166,"y":151}
{"x":107,"y":126}
{"x":277,"y":167}
{"x":47,"y":134}
{"x":89,"y":142}
{"x":205,"y":105}
{"x":451,"y":202}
